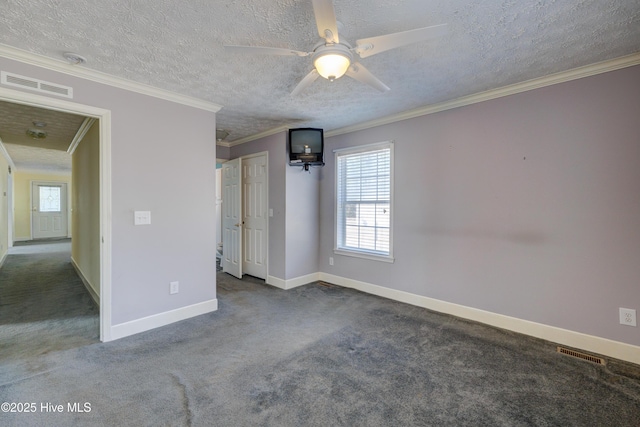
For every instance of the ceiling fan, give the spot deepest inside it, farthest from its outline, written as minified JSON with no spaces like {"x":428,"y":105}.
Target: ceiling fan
{"x":333,"y":58}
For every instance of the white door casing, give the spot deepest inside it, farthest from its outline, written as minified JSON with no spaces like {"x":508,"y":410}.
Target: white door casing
{"x":254,"y":192}
{"x":232,"y":218}
{"x":104,"y":166}
{"x":49,"y":211}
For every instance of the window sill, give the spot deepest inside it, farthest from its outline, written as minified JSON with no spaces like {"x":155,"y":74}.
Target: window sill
{"x":364,"y":255}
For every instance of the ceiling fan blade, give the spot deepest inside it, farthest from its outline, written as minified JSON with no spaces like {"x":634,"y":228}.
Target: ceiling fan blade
{"x":361,"y":74}
{"x":326,"y":20}
{"x":308,"y":79}
{"x":266,"y":50}
{"x":373,"y":45}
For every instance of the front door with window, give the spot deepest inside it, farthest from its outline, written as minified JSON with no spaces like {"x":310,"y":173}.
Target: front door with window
{"x":48,"y":210}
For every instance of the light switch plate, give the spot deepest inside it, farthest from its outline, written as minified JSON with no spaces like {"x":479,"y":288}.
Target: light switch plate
{"x":142,"y":218}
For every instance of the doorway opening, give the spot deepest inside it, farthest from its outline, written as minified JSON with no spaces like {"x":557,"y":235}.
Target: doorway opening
{"x":102,"y":168}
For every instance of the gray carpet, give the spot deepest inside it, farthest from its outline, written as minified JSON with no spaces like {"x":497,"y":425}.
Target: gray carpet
{"x":44,"y":307}
{"x":318,"y":356}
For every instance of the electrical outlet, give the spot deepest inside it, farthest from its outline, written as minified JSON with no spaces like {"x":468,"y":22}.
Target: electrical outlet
{"x":174,"y":287}
{"x":627,"y":316}
{"x":330,"y":260}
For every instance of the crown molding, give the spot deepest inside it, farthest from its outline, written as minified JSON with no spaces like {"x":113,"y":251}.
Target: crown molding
{"x":44,"y":171}
{"x":552,"y":79}
{"x":254,"y":137}
{"x":82,"y":131}
{"x":20,"y":55}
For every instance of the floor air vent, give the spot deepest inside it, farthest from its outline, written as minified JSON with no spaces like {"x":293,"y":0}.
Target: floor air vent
{"x":583,"y":356}
{"x":325,"y":284}
{"x":36,"y":85}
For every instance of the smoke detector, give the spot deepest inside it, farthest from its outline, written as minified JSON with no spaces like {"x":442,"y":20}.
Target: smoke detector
{"x":74,"y":58}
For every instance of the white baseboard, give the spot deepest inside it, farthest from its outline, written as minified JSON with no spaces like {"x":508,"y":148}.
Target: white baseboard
{"x":603,"y":346}
{"x":22,"y":239}
{"x":292,"y":283}
{"x":3,"y":259}
{"x":161,"y":319}
{"x":95,"y":293}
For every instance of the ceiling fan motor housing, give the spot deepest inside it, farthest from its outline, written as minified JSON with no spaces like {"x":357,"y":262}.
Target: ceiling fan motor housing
{"x":332,"y":60}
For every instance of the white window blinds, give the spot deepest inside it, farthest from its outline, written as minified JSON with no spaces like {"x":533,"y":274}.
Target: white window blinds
{"x":363,"y":184}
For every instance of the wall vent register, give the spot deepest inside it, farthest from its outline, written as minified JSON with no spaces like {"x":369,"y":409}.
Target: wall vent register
{"x":41,"y":86}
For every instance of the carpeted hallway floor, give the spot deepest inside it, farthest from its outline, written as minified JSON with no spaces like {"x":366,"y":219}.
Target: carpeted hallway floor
{"x":316,"y":355}
{"x":44,"y":307}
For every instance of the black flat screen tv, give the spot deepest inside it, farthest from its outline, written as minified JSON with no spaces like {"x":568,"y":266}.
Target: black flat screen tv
{"x":306,"y":147}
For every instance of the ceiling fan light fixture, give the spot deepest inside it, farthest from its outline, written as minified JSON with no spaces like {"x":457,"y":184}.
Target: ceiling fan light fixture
{"x":332,"y":62}
{"x":36,"y":133}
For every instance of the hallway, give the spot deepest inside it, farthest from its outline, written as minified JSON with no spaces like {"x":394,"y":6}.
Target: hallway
{"x":44,"y":306}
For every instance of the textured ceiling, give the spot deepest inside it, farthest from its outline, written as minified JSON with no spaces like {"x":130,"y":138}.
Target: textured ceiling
{"x":40,"y":160}
{"x":16,"y":119}
{"x":48,"y":154}
{"x":178,"y":46}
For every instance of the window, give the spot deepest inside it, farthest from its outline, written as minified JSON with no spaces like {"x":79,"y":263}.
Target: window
{"x":49,"y":198}
{"x":364,"y":201}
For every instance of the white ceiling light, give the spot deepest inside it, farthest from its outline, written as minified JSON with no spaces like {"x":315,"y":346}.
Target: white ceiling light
{"x":36,"y":133}
{"x":332,"y":61}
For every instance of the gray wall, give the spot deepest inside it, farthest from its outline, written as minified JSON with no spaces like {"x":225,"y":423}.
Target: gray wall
{"x":223,"y":152}
{"x":302,"y":221}
{"x":163,"y":157}
{"x":527,"y":206}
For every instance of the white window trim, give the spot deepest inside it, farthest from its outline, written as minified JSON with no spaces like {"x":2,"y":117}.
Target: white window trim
{"x":364,"y":253}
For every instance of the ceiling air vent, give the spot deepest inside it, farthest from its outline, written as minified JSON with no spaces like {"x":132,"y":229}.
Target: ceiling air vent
{"x":36,"y":85}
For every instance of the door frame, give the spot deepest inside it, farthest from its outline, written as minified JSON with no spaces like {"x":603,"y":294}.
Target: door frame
{"x":104,"y":117}
{"x":67,"y":203}
{"x":264,"y":154}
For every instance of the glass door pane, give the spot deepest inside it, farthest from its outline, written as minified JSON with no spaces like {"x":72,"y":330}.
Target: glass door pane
{"x":49,"y":198}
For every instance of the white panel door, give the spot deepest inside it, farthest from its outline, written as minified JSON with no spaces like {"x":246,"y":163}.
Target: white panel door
{"x":254,"y":191}
{"x":232,"y":218}
{"x":48,"y":210}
